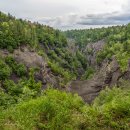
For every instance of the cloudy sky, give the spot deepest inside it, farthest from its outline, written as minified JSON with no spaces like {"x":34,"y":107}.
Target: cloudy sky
{"x":70,"y":13}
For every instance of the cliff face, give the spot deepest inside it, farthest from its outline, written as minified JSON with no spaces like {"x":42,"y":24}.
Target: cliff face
{"x":108,"y":76}
{"x":91,"y":51}
{"x":31,"y":59}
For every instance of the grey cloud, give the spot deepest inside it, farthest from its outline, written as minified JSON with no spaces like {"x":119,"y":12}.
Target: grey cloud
{"x":61,"y":21}
{"x":113,"y":18}
{"x":105,"y":19}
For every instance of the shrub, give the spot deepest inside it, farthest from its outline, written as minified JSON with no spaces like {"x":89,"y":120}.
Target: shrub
{"x":9,"y":60}
{"x":12,"y":88}
{"x":88,"y":73}
{"x":66,"y":75}
{"x":54,"y":110}
{"x":21,"y":70}
{"x":6,"y":100}
{"x":5,"y":70}
{"x":10,"y":49}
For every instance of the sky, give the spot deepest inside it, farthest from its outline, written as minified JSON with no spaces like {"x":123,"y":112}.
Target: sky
{"x":67,"y":14}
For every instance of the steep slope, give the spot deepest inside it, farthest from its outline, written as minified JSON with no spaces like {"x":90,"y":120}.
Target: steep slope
{"x":57,"y":61}
{"x":34,"y":57}
{"x":107,"y":58}
{"x":45,"y":41}
{"x":108,"y":75}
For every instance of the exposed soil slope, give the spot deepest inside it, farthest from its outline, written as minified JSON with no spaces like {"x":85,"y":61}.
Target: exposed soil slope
{"x":109,"y":74}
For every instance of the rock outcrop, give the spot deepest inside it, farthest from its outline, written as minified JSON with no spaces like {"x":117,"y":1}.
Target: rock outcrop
{"x":108,"y":75}
{"x":31,"y":59}
{"x":91,"y":51}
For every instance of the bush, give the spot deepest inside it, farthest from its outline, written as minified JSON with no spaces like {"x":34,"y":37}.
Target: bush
{"x":9,"y":60}
{"x":54,"y":111}
{"x":10,"y":49}
{"x":12,"y":88}
{"x":6,"y":100}
{"x":88,"y":73}
{"x":21,"y":70}
{"x":5,"y":70}
{"x":66,"y":75}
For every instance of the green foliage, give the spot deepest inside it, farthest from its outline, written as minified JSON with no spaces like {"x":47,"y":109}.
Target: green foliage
{"x":32,"y":83}
{"x":6,"y":100}
{"x":83,"y":37}
{"x":5,"y":70}
{"x":83,"y":60}
{"x":15,"y":32}
{"x":114,"y":108}
{"x":117,"y":39}
{"x":56,"y":110}
{"x":67,"y":60}
{"x":57,"y":70}
{"x":24,"y":89}
{"x":12,"y":88}
{"x":18,"y":68}
{"x":118,"y":46}
{"x":43,"y":39}
{"x":88,"y":73}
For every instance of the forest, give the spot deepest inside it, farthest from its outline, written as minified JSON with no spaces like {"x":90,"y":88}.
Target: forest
{"x":29,"y":103}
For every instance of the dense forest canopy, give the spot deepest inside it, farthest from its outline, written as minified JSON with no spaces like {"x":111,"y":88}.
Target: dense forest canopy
{"x":18,"y":32}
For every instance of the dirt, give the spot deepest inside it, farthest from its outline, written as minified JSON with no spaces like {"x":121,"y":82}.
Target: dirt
{"x":108,"y":76}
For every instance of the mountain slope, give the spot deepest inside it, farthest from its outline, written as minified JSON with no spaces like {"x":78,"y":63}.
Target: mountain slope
{"x":109,"y":60}
{"x":39,"y":65}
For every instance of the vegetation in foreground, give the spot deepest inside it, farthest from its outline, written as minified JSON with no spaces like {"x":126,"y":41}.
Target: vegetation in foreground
{"x":56,"y":110}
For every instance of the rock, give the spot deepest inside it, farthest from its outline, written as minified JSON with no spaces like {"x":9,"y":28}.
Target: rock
{"x":3,"y":52}
{"x":108,"y":75}
{"x":95,"y":48}
{"x":31,"y":59}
